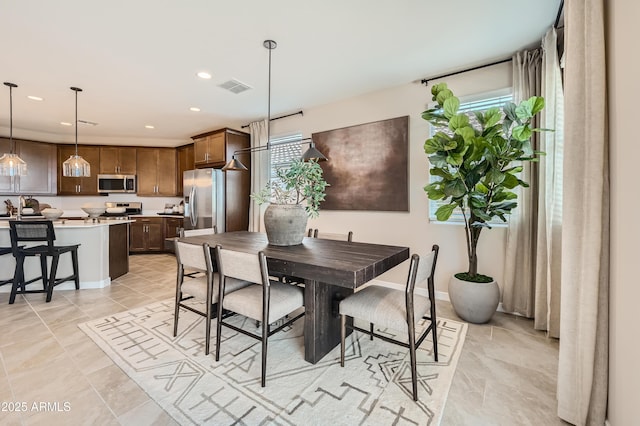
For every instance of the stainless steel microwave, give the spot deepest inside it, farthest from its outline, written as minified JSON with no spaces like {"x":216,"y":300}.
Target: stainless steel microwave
{"x":116,"y":183}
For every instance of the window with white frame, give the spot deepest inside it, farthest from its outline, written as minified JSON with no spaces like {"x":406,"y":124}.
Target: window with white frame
{"x":283,"y":150}
{"x":468,"y":105}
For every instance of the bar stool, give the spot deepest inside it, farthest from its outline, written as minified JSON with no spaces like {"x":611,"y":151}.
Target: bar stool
{"x":3,"y":251}
{"x":39,"y":231}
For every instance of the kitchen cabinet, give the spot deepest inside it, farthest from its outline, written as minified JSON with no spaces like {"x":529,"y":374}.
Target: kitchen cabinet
{"x":79,"y":185}
{"x":209,"y":149}
{"x":147,"y":234}
{"x":117,"y":160}
{"x":41,"y":168}
{"x":237,"y":184}
{"x":185,"y":162}
{"x":157,"y":172}
{"x":214,"y":149}
{"x":118,"y":250}
{"x":172,"y":227}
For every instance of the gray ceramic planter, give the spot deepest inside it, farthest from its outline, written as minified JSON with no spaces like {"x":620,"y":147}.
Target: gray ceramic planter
{"x":474,"y":302}
{"x":286,"y":224}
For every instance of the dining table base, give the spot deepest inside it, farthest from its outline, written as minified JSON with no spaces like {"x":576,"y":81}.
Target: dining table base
{"x":322,"y":318}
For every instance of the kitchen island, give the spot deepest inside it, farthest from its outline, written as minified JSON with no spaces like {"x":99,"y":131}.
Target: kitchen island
{"x":103,"y":254}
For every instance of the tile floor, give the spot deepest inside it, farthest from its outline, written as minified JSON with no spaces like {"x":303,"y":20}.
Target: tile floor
{"x":52,"y":373}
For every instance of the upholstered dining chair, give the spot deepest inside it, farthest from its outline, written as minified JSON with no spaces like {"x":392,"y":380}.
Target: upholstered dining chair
{"x":331,"y":235}
{"x":194,"y":232}
{"x":42,"y":231}
{"x":204,"y":287}
{"x":201,"y":231}
{"x":397,"y":309}
{"x":266,"y":300}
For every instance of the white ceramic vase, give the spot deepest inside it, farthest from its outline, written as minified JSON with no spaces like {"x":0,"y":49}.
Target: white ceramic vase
{"x":474,"y":302}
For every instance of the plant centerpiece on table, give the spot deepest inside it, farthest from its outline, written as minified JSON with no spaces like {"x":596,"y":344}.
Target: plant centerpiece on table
{"x":477,"y":167}
{"x":294,"y":197}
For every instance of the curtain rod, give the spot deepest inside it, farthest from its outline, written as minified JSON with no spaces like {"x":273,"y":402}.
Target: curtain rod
{"x":278,"y":118}
{"x":560,"y":9}
{"x":426,"y":81}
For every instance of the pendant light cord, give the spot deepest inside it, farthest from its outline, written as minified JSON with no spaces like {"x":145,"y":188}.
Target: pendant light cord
{"x":76,"y":89}
{"x":270,"y":45}
{"x":11,"y":119}
{"x":11,"y":143}
{"x":76,"y":123}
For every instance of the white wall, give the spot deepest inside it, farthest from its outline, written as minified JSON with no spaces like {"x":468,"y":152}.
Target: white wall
{"x":624,"y":89}
{"x":413,"y":228}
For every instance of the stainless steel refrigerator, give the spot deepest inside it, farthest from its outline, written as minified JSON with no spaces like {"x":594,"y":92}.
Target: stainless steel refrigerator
{"x":204,"y":204}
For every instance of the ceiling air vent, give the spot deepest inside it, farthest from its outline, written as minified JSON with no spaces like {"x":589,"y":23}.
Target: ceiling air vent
{"x":235,"y":86}
{"x":88,"y":123}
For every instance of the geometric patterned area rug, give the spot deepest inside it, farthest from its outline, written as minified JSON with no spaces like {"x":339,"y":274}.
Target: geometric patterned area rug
{"x":374,"y":387}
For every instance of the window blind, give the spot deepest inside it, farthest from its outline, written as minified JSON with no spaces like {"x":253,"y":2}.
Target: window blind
{"x":283,"y":151}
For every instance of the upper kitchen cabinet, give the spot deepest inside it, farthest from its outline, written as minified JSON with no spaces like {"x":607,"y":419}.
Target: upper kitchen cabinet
{"x":214,"y":149}
{"x":117,"y":160}
{"x":157,"y":172}
{"x":79,"y":185}
{"x":41,"y":168}
{"x":185,"y":162}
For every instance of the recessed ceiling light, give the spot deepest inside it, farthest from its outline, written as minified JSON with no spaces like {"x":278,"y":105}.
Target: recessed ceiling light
{"x":204,"y":75}
{"x":35,"y":98}
{"x":149,"y":126}
{"x":194,"y":109}
{"x":64,"y":123}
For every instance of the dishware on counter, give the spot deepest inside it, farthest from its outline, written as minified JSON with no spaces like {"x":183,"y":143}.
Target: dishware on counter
{"x":51,"y":214}
{"x":94,"y":212}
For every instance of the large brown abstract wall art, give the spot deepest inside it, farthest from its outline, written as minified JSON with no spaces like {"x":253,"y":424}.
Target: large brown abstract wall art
{"x":367,"y":166}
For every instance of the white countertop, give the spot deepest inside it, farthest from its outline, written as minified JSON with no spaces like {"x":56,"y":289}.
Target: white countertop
{"x":65,"y":223}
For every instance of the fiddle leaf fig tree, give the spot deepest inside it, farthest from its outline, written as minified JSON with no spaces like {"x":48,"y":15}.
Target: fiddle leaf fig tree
{"x":300,"y":181}
{"x":477,"y":165}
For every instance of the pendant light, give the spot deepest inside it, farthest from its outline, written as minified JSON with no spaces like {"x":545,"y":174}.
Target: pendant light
{"x":76,"y":166}
{"x":311,"y":154}
{"x":10,"y":163}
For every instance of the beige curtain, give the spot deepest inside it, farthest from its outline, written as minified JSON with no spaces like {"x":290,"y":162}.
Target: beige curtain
{"x":518,"y":291}
{"x":533,"y":255}
{"x":549,"y":245}
{"x":259,"y":170}
{"x":583,"y":360}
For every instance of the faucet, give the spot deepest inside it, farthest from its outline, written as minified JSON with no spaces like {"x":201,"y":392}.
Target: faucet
{"x":21,"y":204}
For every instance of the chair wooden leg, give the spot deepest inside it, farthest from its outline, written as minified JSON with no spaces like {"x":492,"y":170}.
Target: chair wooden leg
{"x":434,"y":331}
{"x":18,"y":279}
{"x":76,"y":274}
{"x":176,"y":313}
{"x":343,"y":332}
{"x":52,"y":277}
{"x":265,"y":338}
{"x":371,"y":331}
{"x":412,"y":357}
{"x":43,"y":270}
{"x":219,"y":324}
{"x":208,"y":329}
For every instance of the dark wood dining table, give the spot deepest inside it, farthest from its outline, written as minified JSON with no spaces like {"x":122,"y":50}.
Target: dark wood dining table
{"x":331,"y":269}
